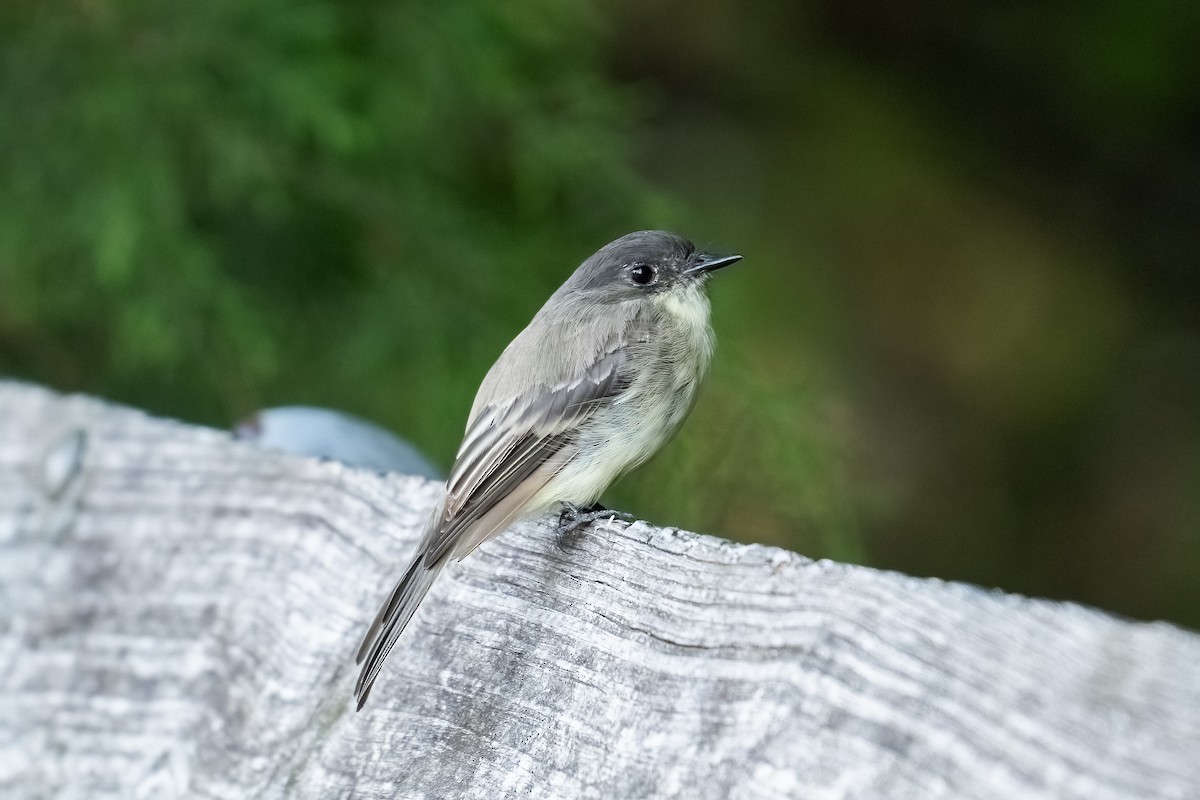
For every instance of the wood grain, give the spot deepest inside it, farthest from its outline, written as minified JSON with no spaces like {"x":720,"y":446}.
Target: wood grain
{"x":179,"y":613}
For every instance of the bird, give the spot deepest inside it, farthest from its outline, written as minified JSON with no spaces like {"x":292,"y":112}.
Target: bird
{"x":599,"y":380}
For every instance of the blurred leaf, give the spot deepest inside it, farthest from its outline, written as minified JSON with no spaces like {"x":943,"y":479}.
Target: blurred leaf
{"x":197,"y":184}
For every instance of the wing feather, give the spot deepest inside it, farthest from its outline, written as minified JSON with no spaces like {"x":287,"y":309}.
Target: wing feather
{"x":507,"y":443}
{"x":511,"y":450}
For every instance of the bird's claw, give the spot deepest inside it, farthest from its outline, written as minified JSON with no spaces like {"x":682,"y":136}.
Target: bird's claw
{"x":574,"y":518}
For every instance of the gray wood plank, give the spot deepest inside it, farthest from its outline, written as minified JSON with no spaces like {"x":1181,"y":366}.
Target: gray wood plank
{"x":179,"y":613}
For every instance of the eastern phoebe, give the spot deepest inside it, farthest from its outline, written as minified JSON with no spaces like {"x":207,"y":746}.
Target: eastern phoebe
{"x":599,"y":380}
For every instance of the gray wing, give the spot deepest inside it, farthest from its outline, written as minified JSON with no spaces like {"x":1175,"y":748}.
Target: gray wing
{"x":507,"y":443}
{"x":509,"y":453}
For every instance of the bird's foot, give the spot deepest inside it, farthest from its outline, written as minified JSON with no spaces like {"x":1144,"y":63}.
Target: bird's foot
{"x":575,"y":518}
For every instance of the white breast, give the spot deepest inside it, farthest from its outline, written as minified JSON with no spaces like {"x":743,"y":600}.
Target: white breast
{"x":644,"y":417}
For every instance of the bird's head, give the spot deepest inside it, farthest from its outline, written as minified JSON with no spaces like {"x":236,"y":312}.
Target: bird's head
{"x":645,"y":263}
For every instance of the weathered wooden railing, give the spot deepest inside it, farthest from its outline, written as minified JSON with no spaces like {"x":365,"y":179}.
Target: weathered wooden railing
{"x":179,"y":613}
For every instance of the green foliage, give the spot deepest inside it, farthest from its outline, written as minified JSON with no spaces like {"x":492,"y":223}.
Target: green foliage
{"x":213,"y":207}
{"x":964,"y":339}
{"x":206,"y":207}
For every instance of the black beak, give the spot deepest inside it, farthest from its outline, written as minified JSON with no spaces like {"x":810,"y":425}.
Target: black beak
{"x":706,"y":262}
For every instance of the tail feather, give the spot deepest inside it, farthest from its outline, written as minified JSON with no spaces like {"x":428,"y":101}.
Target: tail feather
{"x":390,"y":621}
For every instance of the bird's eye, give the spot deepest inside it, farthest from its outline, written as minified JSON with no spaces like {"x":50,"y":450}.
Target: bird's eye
{"x":641,"y":274}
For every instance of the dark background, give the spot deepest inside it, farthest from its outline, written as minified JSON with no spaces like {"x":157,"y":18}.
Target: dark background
{"x":965,"y":341}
